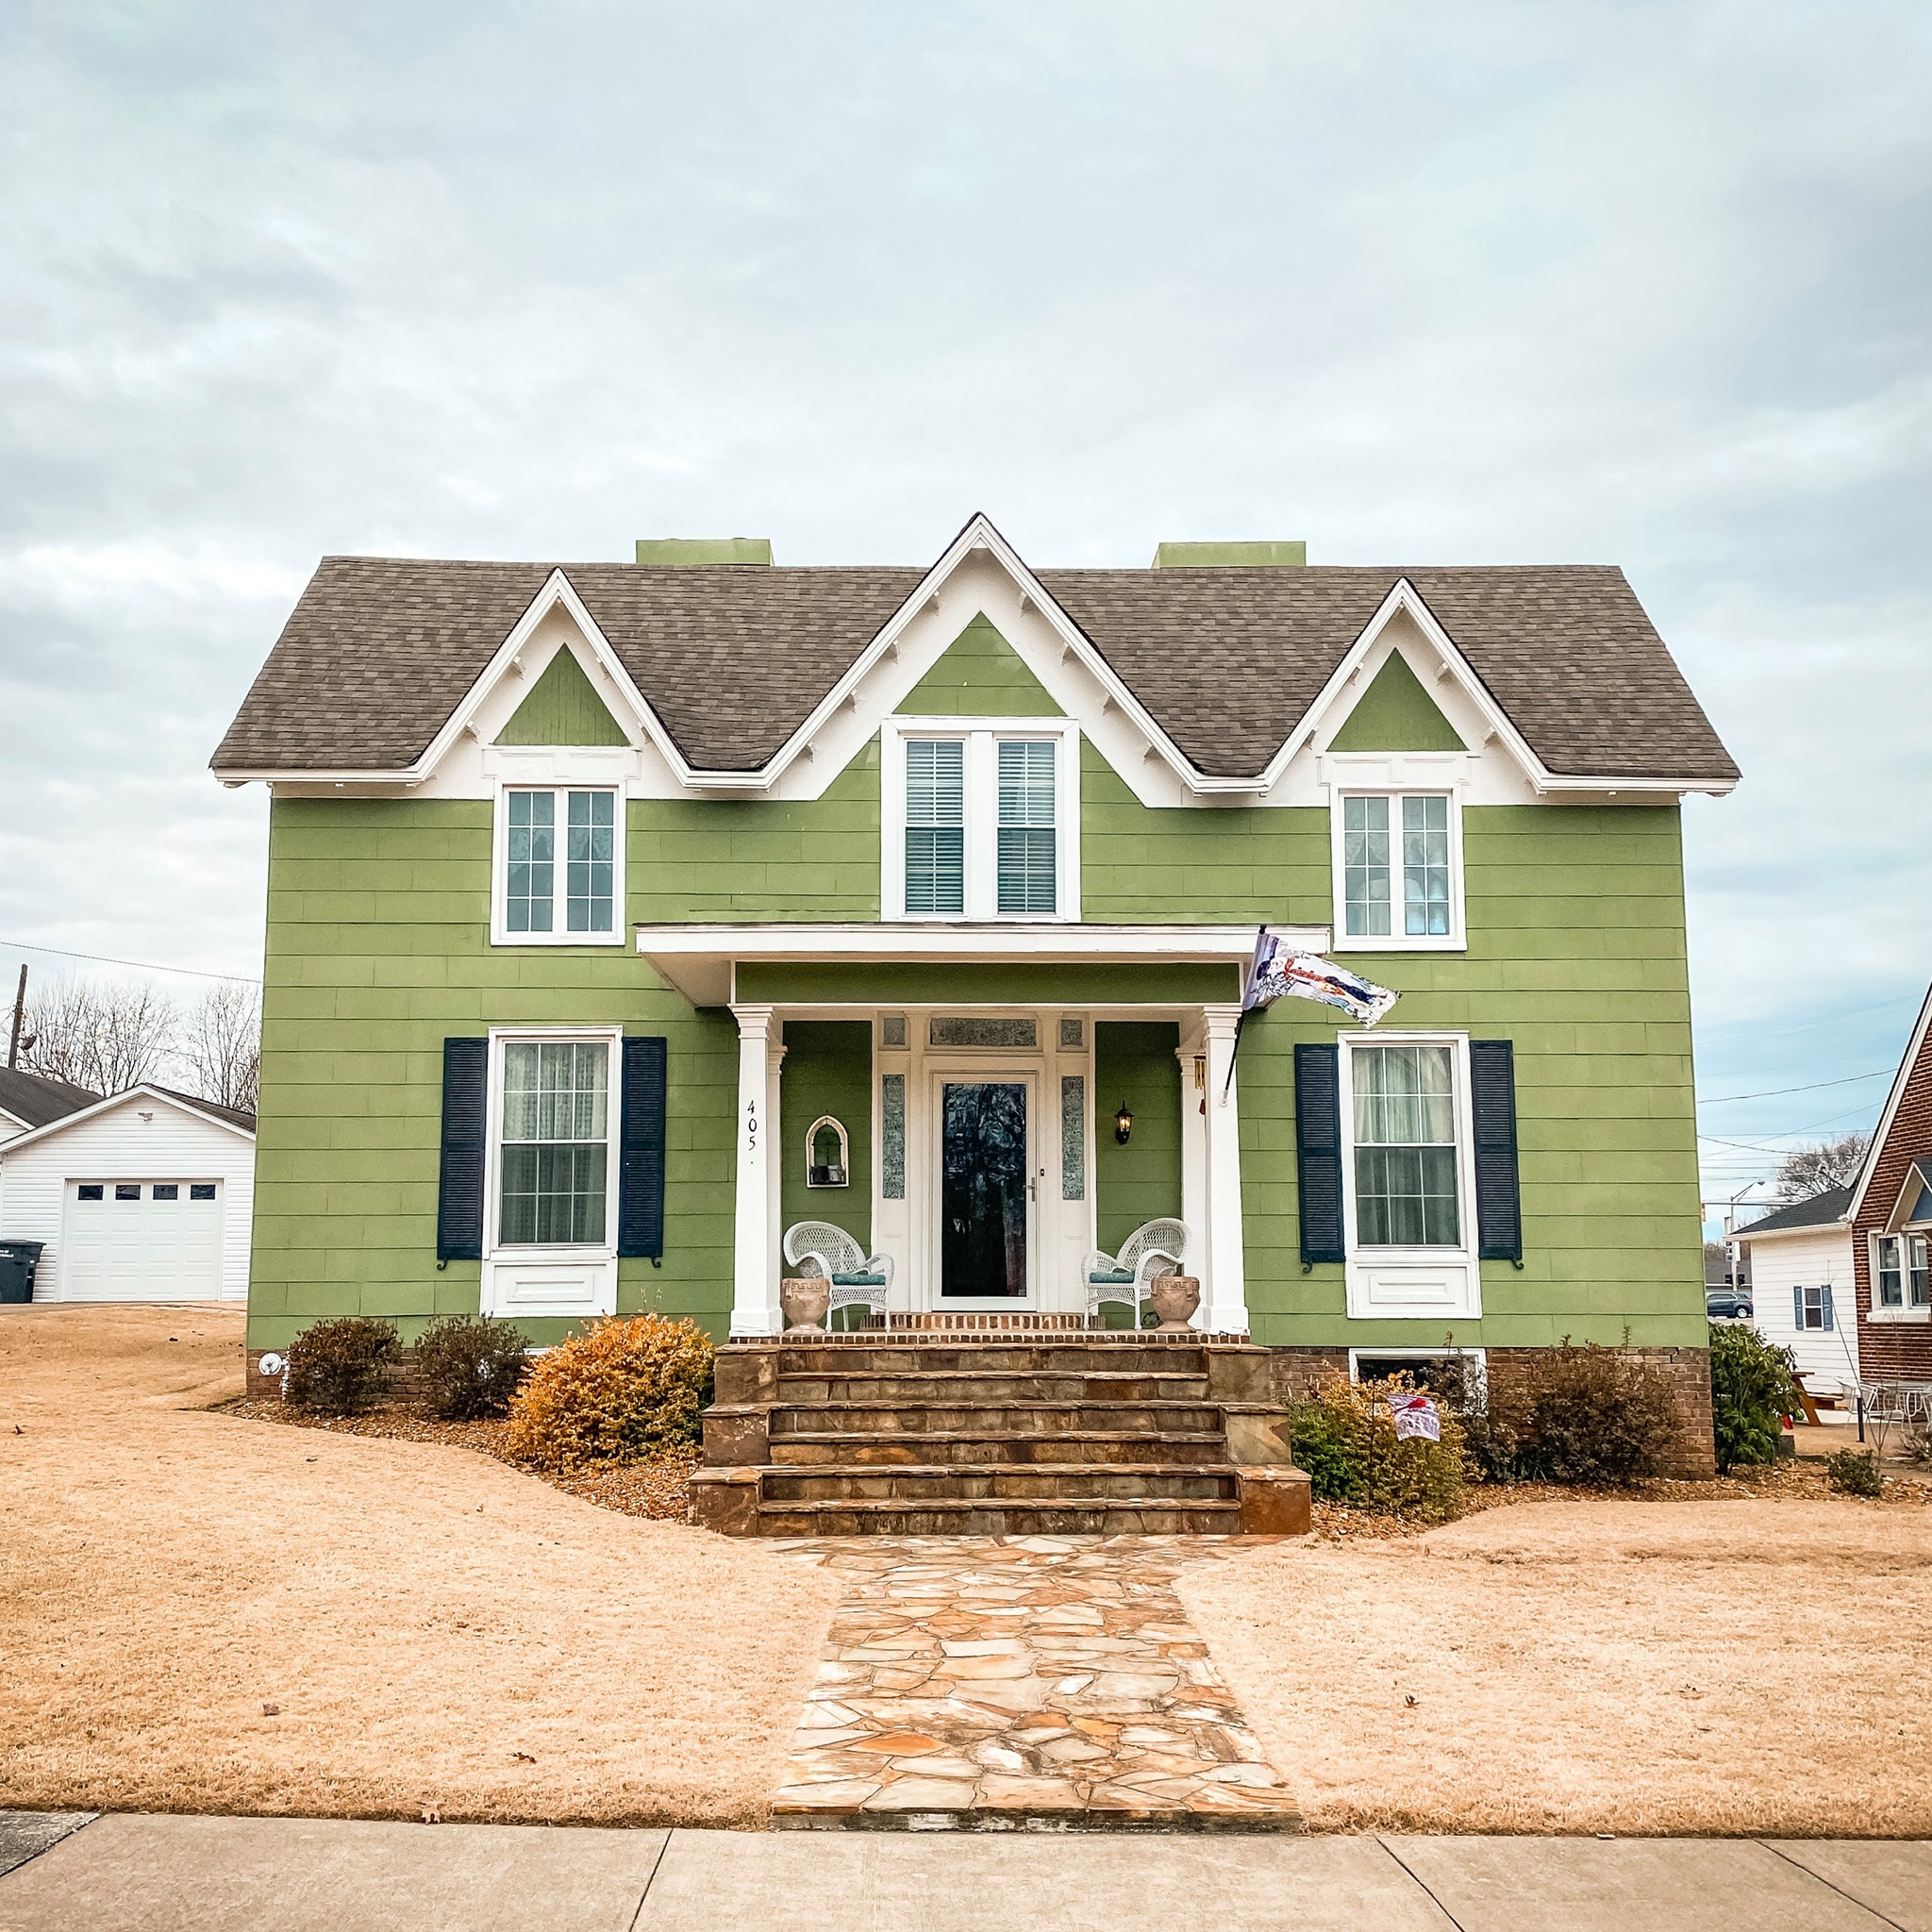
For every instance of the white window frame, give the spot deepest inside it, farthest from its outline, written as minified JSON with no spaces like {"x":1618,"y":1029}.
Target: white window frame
{"x":1909,"y":1310}
{"x":1397,"y":1351}
{"x":1412,"y":1283}
{"x":555,"y":1278}
{"x":981,"y":737}
{"x":500,"y":934}
{"x":1420,"y":784}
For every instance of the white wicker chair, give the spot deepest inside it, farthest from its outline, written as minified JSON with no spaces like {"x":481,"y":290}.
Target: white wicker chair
{"x":817,"y":1247}
{"x":1155,"y":1247}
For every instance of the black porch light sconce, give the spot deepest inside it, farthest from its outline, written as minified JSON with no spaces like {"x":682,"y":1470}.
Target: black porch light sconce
{"x":1123,"y":1122}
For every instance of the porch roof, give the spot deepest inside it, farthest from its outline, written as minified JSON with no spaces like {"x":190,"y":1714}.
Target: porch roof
{"x":700,"y":960}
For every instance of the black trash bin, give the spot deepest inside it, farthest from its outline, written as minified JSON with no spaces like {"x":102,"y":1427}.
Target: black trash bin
{"x":18,"y":1260}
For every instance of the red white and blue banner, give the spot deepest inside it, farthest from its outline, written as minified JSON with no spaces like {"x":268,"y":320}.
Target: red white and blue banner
{"x":1277,"y":974}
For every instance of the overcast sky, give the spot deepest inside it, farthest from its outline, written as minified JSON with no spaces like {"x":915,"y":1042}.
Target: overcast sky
{"x":1642,"y":284}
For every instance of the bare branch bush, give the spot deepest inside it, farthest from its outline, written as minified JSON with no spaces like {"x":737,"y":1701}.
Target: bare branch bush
{"x":219,"y":1045}
{"x":105,"y":1036}
{"x":1808,"y":1171}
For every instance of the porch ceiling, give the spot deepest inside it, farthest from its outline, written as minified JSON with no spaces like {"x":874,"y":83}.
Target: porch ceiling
{"x":698,"y":960}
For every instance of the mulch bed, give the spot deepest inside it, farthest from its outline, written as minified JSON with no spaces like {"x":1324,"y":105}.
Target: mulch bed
{"x":659,"y":1489}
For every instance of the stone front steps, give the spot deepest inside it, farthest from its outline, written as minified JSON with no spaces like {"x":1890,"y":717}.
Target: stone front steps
{"x":939,"y":1435}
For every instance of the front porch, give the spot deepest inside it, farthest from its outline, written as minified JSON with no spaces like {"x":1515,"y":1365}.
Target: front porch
{"x":983,"y":1108}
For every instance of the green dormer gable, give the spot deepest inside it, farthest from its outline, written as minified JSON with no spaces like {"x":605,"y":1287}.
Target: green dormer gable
{"x":1395,"y":713}
{"x":980,"y":675}
{"x":562,"y":707}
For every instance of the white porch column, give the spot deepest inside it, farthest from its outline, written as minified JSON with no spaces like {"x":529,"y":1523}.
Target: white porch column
{"x":754,"y":1268}
{"x":1224,"y":1295}
{"x":1194,"y":1054}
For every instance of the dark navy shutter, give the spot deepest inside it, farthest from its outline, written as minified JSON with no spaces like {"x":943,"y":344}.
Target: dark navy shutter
{"x":465,"y":1129}
{"x":1826,"y":1293}
{"x":1797,"y":1308}
{"x":1498,"y":1190}
{"x":640,"y":1164}
{"x":1318,"y":1150}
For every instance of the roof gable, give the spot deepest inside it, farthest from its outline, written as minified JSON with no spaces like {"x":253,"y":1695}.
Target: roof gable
{"x":1912,"y":1080}
{"x":562,"y":707}
{"x":734,"y":669}
{"x":1395,"y":713}
{"x":230,"y":1120}
{"x":979,"y":674}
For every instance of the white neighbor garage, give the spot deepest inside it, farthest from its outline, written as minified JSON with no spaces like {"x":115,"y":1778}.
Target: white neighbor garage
{"x":144,"y":1197}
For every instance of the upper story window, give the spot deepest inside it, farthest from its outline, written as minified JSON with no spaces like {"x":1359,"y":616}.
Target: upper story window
{"x":558,"y":867}
{"x":1398,"y":870}
{"x":1902,"y":1276}
{"x":981,"y":820}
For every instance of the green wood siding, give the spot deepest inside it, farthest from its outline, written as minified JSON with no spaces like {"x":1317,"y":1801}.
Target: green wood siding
{"x":1134,"y":1063}
{"x":827,"y":1069}
{"x":1395,"y":713}
{"x":981,"y":675}
{"x":562,"y":707}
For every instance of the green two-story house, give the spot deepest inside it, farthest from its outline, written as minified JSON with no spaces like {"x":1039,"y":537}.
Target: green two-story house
{"x":624,"y":917}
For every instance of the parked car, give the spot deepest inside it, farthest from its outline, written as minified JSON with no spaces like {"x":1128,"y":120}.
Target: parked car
{"x":1728,"y":1303}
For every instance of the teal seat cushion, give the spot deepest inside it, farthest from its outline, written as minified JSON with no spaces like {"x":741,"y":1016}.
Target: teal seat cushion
{"x":859,"y":1281}
{"x":1120,"y":1275}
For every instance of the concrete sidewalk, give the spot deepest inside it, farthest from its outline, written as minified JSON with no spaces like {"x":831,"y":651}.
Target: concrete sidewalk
{"x":145,"y":1873}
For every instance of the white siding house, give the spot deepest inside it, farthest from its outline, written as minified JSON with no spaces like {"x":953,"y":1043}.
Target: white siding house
{"x":146,"y":1196}
{"x":1802,"y":1288}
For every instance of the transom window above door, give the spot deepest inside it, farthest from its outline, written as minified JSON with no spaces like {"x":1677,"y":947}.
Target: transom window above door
{"x":558,"y":867}
{"x":981,"y":819}
{"x":1398,"y":870}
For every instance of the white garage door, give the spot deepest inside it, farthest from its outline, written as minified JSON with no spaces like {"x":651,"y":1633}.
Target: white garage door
{"x":142,"y":1242}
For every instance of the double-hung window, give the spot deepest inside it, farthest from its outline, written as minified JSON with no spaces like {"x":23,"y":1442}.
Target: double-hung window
{"x":1811,"y":1307}
{"x":981,"y":820}
{"x":1398,"y":870}
{"x":554,"y":1154}
{"x":1407,"y":1167}
{"x":558,"y":866}
{"x":1902,"y":1278}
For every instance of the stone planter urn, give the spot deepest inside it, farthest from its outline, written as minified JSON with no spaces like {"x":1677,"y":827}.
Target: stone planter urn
{"x":1174,"y":1298}
{"x":805,"y":1299}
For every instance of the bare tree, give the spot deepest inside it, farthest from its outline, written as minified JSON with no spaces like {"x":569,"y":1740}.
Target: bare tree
{"x":1808,"y":1171}
{"x":220,"y":1045}
{"x":103,"y":1037}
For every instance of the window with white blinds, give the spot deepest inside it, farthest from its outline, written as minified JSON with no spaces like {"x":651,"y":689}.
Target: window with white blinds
{"x":1026,"y":835}
{"x":981,"y":820}
{"x":936,"y":824}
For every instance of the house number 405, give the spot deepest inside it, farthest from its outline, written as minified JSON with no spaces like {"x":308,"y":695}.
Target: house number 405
{"x":751,"y":1126}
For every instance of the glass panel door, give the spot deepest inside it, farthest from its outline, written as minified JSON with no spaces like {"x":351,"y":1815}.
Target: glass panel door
{"x":983,"y":1189}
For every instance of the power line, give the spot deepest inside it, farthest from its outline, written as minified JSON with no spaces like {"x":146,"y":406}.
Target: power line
{"x":140,"y":965}
{"x":1772,"y":1092}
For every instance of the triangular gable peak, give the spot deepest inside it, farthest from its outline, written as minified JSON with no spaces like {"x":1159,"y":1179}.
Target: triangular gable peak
{"x":142,"y":1096}
{"x":1914,"y":1075}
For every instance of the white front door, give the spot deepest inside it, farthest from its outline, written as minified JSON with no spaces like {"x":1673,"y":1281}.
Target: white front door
{"x":986,"y":1185}
{"x":141,"y":1241}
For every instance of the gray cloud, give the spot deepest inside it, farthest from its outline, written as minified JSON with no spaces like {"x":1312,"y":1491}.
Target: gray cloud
{"x":1503,"y":283}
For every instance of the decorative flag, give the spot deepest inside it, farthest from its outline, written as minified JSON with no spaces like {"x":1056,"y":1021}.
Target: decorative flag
{"x":1277,"y":974}
{"x":1415,"y":1415}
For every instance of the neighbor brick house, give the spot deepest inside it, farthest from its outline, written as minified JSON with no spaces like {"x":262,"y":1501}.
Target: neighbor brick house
{"x":1891,"y":1216}
{"x":621,"y":916}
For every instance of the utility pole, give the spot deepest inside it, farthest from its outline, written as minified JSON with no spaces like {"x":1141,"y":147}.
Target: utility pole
{"x":19,"y":1013}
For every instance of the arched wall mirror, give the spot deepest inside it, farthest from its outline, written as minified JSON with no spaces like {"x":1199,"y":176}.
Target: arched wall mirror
{"x":828,"y":1154}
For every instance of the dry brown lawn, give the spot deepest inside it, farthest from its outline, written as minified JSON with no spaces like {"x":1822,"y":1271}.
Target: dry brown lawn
{"x":435,"y":1629}
{"x":1644,"y":1666}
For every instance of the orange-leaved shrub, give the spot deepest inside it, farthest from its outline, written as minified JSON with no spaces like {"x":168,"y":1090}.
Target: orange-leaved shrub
{"x":625,"y":1390}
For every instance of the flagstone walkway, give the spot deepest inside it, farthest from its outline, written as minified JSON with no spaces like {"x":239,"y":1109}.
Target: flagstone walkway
{"x":990,"y":1683}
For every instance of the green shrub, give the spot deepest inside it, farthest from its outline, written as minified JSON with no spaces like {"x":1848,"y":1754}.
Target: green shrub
{"x":1854,"y":1472}
{"x":339,"y":1366}
{"x":1753,"y":1387}
{"x":1588,"y":1415}
{"x":470,"y":1366}
{"x":621,"y":1392}
{"x":1344,"y":1437}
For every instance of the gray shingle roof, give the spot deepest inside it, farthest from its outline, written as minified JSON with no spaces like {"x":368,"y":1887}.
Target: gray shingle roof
{"x":1821,"y":1210}
{"x":380,"y":651}
{"x":36,"y":1100}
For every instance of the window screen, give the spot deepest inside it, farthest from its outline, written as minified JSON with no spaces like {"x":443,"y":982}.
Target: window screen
{"x":1025,"y":859}
{"x":556,"y":1128}
{"x":589,"y":860}
{"x":1405,"y":1147}
{"x":1426,"y":867}
{"x":530,"y":889}
{"x":1365,"y":866}
{"x":936,"y":825}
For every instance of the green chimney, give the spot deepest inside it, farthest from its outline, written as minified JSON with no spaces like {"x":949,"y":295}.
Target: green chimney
{"x":1229,"y":555}
{"x":688,"y":550}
